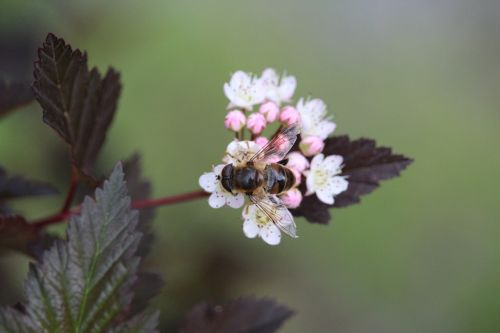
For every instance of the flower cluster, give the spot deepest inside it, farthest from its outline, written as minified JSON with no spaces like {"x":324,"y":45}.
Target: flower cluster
{"x":256,"y":103}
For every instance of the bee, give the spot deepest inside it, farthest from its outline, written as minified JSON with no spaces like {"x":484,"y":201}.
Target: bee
{"x":264,"y":176}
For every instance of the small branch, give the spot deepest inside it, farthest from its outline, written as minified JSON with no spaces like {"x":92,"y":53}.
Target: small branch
{"x":138,"y":204}
{"x":56,"y":218}
{"x":72,"y":189}
{"x":150,"y":203}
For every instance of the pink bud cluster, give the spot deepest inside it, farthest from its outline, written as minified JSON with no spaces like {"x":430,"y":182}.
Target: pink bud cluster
{"x":256,"y":103}
{"x":268,"y":113}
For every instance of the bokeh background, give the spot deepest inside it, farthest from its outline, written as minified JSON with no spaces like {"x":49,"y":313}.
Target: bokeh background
{"x":421,"y":254}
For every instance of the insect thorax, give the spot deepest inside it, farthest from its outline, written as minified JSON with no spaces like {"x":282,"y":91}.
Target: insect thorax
{"x":247,"y":178}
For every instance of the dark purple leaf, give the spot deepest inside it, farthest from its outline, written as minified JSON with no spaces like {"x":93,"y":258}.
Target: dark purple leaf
{"x":12,"y":187}
{"x":14,"y":95}
{"x":365,"y":165}
{"x":16,"y":233}
{"x":17,"y":187}
{"x":19,"y":235}
{"x":142,"y":323}
{"x":77,"y":102}
{"x":244,"y":315}
{"x":140,"y":189}
{"x":147,"y":285}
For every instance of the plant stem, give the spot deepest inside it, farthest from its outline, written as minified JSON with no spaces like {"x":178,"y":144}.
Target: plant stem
{"x":150,"y":203}
{"x":138,"y":204}
{"x":72,"y":189}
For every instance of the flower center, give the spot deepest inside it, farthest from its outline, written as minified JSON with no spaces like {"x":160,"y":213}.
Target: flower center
{"x":245,"y":93}
{"x":261,"y":218}
{"x":320,"y":177}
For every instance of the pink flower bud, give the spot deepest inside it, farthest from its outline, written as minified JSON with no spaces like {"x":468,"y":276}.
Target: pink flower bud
{"x":289,"y":115}
{"x":297,"y":161}
{"x":261,"y":141}
{"x":256,"y":123}
{"x":235,"y":120}
{"x":270,"y":110}
{"x":311,"y":145}
{"x":298,"y":176}
{"x":292,"y":198}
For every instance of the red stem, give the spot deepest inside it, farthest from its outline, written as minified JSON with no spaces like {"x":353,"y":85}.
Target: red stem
{"x":72,"y":189}
{"x":53,"y":219}
{"x":138,"y":204}
{"x":150,"y":203}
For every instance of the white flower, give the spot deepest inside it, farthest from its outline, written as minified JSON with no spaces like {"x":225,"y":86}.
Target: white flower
{"x":323,"y":178}
{"x":244,"y":91}
{"x":238,"y":152}
{"x":312,"y":114}
{"x":277,"y":90}
{"x":210,"y":182}
{"x":256,"y":223}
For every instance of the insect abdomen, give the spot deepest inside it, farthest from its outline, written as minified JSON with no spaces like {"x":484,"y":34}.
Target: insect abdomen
{"x":279,"y":178}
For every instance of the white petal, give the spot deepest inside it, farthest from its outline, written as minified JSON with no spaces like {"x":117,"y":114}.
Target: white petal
{"x":272,"y":95}
{"x":240,"y":79}
{"x":270,"y":77}
{"x":287,"y":87}
{"x":325,"y":128}
{"x":208,"y":181}
{"x":258,"y":92}
{"x":229,"y":92}
{"x":317,"y":107}
{"x":338,"y":185}
{"x":233,"y":147}
{"x":216,"y":200}
{"x":218,"y":168}
{"x":316,"y":161}
{"x":249,"y":212}
{"x":253,"y":147}
{"x":310,"y":183}
{"x":300,"y":105}
{"x":325,"y":195}
{"x":270,"y":234}
{"x":235,"y":201}
{"x":250,"y":228}
{"x":333,"y":162}
{"x":307,"y":126}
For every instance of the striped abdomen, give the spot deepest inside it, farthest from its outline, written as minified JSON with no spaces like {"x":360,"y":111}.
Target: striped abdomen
{"x":279,"y":178}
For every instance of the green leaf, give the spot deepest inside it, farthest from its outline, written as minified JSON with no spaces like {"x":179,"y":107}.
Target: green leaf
{"x":77,"y":102}
{"x":84,"y":284}
{"x":243,"y":315}
{"x":14,"y":95}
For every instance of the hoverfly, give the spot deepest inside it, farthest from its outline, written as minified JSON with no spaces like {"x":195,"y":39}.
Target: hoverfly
{"x":264,"y":176}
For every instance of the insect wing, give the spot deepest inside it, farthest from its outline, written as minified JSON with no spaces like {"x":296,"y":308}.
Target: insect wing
{"x":277,"y":148}
{"x":277,"y":212}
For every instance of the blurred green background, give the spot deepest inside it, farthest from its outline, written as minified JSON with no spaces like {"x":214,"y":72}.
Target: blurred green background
{"x":421,"y":254}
